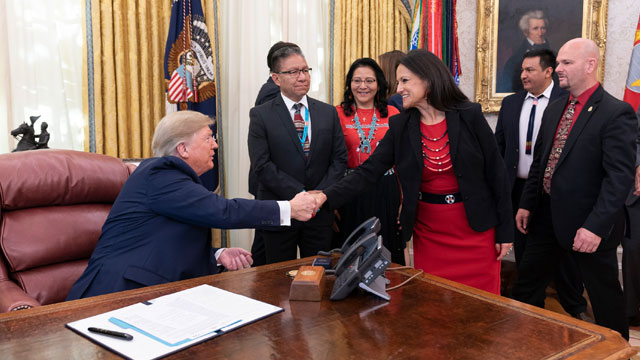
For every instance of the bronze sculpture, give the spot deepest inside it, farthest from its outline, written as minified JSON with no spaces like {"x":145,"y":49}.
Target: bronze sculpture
{"x":28,"y":139}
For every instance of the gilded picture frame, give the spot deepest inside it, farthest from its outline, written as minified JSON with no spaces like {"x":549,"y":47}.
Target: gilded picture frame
{"x":499,"y":29}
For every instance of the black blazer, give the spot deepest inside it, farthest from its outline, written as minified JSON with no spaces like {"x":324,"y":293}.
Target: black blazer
{"x":277,"y":157}
{"x":508,"y":128}
{"x":476,"y":161}
{"x":268,"y":91}
{"x":594,"y":172}
{"x":632,"y":199}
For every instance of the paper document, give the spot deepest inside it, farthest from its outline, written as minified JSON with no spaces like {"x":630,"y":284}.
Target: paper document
{"x":166,"y":324}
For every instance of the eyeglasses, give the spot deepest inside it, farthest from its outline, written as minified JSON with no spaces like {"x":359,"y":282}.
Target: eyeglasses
{"x":295,"y":72}
{"x":358,"y":82}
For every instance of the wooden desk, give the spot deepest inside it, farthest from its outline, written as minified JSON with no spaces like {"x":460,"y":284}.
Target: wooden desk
{"x":429,"y":318}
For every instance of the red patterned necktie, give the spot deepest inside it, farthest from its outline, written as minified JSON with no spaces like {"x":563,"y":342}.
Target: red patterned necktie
{"x":558,"y":145}
{"x":298,"y":121}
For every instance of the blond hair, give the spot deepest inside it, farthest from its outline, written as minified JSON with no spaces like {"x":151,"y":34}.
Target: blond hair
{"x":175,"y":128}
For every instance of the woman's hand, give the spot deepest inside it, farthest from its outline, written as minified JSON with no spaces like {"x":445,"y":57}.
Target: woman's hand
{"x":503,"y":250}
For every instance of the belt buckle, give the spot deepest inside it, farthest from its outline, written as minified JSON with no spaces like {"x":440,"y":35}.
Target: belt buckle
{"x":450,"y":199}
{"x":419,"y":195}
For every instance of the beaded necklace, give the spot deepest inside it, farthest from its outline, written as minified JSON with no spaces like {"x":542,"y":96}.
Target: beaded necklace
{"x":436,"y":159}
{"x":365,"y":141}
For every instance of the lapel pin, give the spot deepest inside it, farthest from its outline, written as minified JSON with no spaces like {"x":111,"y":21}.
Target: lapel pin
{"x":590,"y":108}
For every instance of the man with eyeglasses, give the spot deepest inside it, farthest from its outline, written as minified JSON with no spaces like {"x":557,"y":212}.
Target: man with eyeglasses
{"x":295,"y":144}
{"x":268,"y":91}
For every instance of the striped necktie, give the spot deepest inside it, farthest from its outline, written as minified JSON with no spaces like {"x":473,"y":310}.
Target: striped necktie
{"x":299,"y":123}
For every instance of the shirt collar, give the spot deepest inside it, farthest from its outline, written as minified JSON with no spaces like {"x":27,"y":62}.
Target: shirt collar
{"x":546,"y":92}
{"x":289,"y":103}
{"x":582,"y":98}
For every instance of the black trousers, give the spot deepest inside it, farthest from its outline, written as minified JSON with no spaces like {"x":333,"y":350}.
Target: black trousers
{"x":282,"y":244}
{"x":567,"y":278}
{"x":257,"y":249}
{"x":599,"y":272}
{"x":631,"y":258}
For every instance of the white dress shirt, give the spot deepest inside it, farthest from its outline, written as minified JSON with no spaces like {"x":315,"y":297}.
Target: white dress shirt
{"x":289,"y":103}
{"x":524,"y":160}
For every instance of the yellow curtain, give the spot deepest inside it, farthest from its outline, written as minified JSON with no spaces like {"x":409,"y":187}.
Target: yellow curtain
{"x":129,"y":38}
{"x":366,"y":28}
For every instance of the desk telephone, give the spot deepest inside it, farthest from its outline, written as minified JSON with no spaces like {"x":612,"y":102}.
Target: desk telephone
{"x":363,"y":262}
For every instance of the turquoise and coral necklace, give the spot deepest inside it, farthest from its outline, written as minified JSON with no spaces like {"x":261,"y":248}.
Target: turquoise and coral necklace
{"x":365,"y":140}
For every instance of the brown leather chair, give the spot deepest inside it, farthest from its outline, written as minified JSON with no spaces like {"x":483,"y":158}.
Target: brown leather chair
{"x":52,"y":207}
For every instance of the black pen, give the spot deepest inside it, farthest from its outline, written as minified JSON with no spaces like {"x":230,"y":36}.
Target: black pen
{"x":116,"y":334}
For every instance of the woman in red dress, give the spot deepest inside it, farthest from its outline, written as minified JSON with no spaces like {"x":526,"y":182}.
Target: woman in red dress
{"x":456,"y":203}
{"x":364,"y":115}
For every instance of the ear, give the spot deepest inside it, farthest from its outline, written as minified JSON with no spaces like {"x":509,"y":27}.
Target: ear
{"x":183,"y":152}
{"x":592,"y":65}
{"x":275,"y":79}
{"x":548,"y":72}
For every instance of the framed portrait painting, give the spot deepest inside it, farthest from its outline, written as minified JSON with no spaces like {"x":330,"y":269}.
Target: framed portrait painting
{"x":507,"y":29}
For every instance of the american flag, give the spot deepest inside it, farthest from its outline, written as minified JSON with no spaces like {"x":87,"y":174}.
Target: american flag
{"x":177,"y":87}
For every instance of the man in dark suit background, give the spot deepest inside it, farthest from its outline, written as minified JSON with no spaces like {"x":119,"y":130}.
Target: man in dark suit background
{"x":581,"y":173}
{"x":268,"y":91}
{"x":295,"y":144}
{"x":631,"y":245}
{"x":518,"y":124}
{"x":533,"y":25}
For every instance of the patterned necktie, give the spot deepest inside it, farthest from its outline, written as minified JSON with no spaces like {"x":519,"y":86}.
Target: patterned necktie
{"x":298,"y":121}
{"x":532,"y":117}
{"x":558,"y":144}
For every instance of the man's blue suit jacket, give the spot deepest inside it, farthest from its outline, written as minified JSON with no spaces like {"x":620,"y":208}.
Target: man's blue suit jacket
{"x":158,"y":229}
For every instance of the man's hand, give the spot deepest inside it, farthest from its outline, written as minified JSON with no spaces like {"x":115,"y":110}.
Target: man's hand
{"x":637,"y":187}
{"x":320,"y":198}
{"x":303,"y":206}
{"x":235,"y":259}
{"x":586,"y":241}
{"x":522,"y":220}
{"x":503,"y":250}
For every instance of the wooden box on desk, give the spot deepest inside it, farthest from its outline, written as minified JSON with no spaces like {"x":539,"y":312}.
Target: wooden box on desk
{"x":308,"y":285}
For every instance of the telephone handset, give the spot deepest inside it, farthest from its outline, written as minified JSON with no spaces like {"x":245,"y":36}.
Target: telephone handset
{"x":370,"y":226}
{"x":363,"y":263}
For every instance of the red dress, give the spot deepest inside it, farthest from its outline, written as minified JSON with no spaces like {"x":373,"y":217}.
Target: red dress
{"x":443,"y":243}
{"x":352,"y":138}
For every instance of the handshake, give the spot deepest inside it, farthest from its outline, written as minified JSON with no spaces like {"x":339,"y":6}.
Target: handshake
{"x":306,"y":204}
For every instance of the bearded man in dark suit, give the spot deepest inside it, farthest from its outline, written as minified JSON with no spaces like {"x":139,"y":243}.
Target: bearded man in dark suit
{"x":580,"y":176}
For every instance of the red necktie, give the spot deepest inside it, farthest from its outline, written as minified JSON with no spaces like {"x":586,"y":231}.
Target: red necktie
{"x":298,"y":121}
{"x":558,"y":144}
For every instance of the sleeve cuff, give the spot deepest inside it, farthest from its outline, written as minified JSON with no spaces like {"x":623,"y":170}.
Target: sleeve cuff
{"x":217,"y":255}
{"x":285,"y":213}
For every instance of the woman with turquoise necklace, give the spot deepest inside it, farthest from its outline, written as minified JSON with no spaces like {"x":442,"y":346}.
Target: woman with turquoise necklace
{"x":364,"y":115}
